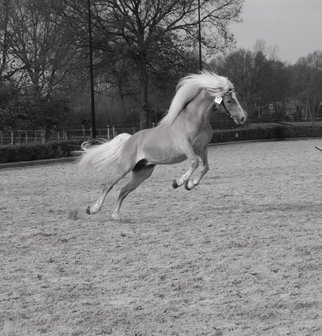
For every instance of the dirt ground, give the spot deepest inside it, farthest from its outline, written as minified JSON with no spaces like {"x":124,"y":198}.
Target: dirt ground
{"x":239,"y":255}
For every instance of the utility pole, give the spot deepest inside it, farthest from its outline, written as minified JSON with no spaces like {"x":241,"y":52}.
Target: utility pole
{"x":199,"y":36}
{"x":5,"y":36}
{"x":91,"y":69}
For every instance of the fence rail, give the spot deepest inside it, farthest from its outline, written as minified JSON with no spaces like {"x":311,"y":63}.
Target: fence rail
{"x":16,"y":137}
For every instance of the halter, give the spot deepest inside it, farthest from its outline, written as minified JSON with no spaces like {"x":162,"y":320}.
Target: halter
{"x":226,"y":110}
{"x":223,"y":104}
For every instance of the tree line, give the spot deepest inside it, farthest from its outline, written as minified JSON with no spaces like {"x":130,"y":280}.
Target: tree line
{"x":262,"y":79}
{"x":140,"y":49}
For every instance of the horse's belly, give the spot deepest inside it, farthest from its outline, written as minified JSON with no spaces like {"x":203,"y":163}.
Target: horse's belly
{"x":157,"y":156}
{"x":174,"y":160}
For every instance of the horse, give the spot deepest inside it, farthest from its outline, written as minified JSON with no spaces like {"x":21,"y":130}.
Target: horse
{"x":182,"y":134}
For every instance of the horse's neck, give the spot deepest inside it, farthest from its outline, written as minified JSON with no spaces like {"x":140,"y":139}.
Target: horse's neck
{"x":196,"y":114}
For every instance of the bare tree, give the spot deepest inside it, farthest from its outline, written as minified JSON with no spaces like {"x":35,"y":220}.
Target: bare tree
{"x":307,"y":76}
{"x":140,"y":31}
{"x":39,"y":45}
{"x":259,"y":80}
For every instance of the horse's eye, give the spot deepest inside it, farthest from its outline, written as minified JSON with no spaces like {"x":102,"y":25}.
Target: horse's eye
{"x":228,"y":101}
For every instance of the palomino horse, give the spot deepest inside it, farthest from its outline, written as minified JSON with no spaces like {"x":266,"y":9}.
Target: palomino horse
{"x":183,"y":133}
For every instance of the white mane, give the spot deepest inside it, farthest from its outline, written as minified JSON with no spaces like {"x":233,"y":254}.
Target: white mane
{"x":188,"y":88}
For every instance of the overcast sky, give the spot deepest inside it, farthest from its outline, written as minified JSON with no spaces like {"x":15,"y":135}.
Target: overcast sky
{"x":294,"y":26}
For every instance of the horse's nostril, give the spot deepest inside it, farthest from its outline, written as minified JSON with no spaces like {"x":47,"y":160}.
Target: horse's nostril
{"x":242,"y":119}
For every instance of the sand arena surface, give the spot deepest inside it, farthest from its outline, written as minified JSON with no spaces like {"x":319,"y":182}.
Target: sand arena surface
{"x":239,"y":255}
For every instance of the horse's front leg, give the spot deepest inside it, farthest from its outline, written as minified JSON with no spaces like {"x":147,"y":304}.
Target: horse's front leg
{"x":194,"y":165}
{"x":190,"y":184}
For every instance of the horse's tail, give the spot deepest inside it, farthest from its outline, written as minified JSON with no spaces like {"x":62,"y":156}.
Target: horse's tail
{"x":104,"y":155}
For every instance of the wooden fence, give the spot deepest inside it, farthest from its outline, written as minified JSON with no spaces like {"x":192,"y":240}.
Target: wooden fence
{"x":15,"y":137}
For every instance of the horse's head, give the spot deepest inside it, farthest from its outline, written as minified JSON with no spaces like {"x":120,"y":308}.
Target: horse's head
{"x":232,"y":107}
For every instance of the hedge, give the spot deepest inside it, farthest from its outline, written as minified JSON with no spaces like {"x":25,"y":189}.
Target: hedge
{"x":276,"y":132}
{"x":302,"y":132}
{"x":30,"y":152}
{"x":242,"y":134}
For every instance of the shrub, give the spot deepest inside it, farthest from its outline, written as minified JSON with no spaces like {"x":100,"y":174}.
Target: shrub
{"x":30,"y":152}
{"x":242,"y":134}
{"x":277,"y":132}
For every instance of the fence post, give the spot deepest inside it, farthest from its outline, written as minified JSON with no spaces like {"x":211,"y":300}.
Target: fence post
{"x":43,"y":136}
{"x":84,"y":131}
{"x":11,"y":137}
{"x":1,"y":138}
{"x":114,"y":132}
{"x":108,"y":132}
{"x":26,"y":136}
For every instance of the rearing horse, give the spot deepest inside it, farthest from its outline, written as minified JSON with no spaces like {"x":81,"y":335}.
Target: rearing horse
{"x":184,"y":133}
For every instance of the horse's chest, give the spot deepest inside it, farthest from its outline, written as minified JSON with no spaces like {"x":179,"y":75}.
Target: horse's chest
{"x":202,"y":138}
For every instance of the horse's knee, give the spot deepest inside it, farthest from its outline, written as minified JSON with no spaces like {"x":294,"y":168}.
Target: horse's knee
{"x":195,"y":164}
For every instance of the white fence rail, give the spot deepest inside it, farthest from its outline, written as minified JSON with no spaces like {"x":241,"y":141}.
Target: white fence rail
{"x":16,"y":137}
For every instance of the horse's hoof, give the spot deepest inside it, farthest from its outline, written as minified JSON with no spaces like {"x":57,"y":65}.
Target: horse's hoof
{"x":186,"y":186}
{"x":175,"y":184}
{"x":189,"y":185}
{"x":88,"y":210}
{"x":115,"y":217}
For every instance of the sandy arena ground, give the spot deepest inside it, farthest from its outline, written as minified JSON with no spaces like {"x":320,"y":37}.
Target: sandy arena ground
{"x":239,"y":255}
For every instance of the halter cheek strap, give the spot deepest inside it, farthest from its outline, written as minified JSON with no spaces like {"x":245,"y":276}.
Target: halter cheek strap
{"x":220,"y":101}
{"x":226,"y":110}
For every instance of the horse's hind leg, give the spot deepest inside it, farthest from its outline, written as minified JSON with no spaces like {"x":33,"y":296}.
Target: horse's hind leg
{"x":138,"y":176}
{"x":96,"y":207}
